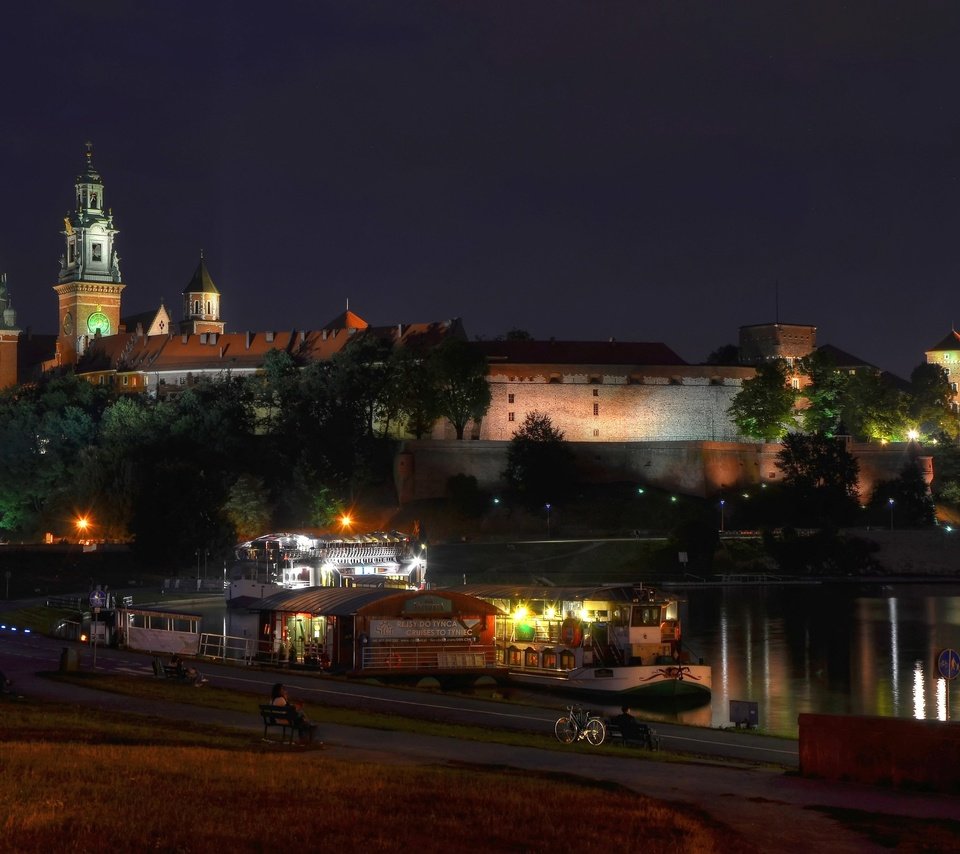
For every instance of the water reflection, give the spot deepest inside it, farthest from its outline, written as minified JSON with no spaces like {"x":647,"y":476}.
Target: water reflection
{"x":837,"y":649}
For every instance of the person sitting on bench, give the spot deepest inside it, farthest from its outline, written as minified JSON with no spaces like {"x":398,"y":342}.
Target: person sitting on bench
{"x":305,"y":727}
{"x":630,"y":728}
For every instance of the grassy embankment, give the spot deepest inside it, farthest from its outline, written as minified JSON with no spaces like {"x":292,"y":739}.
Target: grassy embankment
{"x":136,"y":783}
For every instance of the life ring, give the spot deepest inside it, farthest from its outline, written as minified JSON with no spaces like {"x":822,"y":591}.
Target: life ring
{"x":571,"y":632}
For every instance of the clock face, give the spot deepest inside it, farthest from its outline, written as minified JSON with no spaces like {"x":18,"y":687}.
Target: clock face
{"x":68,"y":324}
{"x":98,"y":322}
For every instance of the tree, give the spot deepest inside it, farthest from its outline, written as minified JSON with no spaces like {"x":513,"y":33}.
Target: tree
{"x":763,"y":408}
{"x":463,"y":393}
{"x":824,"y":395}
{"x":819,"y":479}
{"x":415,"y":387}
{"x":539,"y":462}
{"x":930,"y":397}
{"x":728,"y":354}
{"x":873,"y":409}
{"x":911,"y":500}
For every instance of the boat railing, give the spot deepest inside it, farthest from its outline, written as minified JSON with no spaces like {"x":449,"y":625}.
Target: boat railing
{"x":227,"y":647}
{"x":432,"y":657}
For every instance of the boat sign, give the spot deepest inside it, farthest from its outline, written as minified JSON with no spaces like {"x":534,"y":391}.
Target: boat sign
{"x":949,"y":664}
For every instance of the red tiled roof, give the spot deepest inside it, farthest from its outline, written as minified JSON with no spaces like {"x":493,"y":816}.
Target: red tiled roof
{"x":578,"y":353}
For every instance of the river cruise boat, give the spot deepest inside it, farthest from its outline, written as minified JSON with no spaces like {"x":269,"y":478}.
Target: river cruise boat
{"x":293,"y":561}
{"x":623,"y":640}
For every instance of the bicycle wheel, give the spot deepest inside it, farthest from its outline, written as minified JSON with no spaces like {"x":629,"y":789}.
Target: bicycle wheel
{"x":565,"y":730}
{"x":595,"y":731}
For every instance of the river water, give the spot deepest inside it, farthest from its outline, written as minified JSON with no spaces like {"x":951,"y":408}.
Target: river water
{"x":827,"y":648}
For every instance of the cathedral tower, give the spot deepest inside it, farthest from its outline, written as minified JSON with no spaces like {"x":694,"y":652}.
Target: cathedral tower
{"x":89,"y":285}
{"x":9,"y":335}
{"x":201,"y":303}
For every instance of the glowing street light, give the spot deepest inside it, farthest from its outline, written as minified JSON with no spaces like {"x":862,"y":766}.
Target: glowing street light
{"x":913,"y":435}
{"x":891,"y":502}
{"x":83,"y":526}
{"x":723,"y":502}
{"x":548,"y":520}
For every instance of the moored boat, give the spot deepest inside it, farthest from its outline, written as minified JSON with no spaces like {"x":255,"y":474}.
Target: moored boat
{"x":623,"y":639}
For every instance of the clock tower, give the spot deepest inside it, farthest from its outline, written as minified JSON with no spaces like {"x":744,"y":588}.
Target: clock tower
{"x":89,"y":284}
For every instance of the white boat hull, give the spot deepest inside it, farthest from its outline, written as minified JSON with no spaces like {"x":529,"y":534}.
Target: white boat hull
{"x":667,"y":681}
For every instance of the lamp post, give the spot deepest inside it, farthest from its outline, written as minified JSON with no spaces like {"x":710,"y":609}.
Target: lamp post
{"x":548,"y":520}
{"x":891,"y":502}
{"x":723,"y":502}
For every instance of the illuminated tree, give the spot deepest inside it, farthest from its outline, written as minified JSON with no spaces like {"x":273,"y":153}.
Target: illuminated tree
{"x":763,"y":408}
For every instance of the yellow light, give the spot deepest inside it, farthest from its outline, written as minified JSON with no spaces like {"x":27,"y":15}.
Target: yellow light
{"x":520,"y":613}
{"x":550,"y":613}
{"x":913,"y":435}
{"x":82,"y":524}
{"x":583,"y":614}
{"x":345,"y":520}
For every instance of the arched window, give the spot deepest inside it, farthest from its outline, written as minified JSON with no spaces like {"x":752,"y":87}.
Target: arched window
{"x":196,"y":306}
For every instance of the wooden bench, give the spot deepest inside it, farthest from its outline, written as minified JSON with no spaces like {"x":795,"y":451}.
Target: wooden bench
{"x":282,"y":717}
{"x":166,"y":671}
{"x":634,"y":735}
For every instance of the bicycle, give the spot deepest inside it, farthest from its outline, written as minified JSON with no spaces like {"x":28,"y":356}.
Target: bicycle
{"x":579,"y":724}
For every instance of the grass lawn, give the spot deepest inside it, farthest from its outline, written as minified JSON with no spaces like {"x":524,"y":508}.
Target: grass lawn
{"x":129,"y":784}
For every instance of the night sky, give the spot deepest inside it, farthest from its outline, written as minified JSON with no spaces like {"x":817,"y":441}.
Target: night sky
{"x":643,"y":171}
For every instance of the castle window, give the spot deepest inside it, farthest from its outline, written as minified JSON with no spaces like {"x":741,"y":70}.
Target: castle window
{"x":596,"y":432}
{"x":96,"y":252}
{"x":196,"y":306}
{"x":509,"y":398}
{"x":596,"y":392}
{"x":510,"y":416}
{"x":126,"y":380}
{"x":208,"y":307}
{"x":596,"y":409}
{"x":795,"y":383}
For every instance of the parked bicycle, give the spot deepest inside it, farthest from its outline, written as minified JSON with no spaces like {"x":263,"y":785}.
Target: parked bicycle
{"x":579,"y":724}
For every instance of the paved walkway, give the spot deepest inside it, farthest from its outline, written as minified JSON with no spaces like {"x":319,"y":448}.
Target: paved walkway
{"x":773,"y":810}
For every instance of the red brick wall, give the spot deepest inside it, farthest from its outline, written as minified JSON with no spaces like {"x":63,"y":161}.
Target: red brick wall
{"x":885,"y":751}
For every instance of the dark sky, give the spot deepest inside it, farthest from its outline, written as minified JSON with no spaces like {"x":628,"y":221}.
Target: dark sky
{"x":647,"y":171}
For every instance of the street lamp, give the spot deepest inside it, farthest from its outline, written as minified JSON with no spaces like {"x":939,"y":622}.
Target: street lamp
{"x":548,"y":520}
{"x":83,"y":524}
{"x":722,"y":504}
{"x":891,"y":502}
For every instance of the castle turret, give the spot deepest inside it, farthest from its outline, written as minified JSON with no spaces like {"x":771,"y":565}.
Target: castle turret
{"x":201,"y":303}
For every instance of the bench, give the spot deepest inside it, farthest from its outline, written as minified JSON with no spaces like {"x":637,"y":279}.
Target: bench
{"x":166,"y":671}
{"x":633,"y":735}
{"x":282,"y":717}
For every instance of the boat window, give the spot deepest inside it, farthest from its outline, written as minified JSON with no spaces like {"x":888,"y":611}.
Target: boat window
{"x":567,"y":660}
{"x":532,"y":658}
{"x":550,"y":659}
{"x":646,"y":615}
{"x":514,"y":656}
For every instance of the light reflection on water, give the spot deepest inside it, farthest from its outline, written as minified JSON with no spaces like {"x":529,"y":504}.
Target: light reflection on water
{"x":832,"y":649}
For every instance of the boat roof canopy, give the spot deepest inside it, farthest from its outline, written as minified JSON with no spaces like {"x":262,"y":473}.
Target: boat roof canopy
{"x":607,"y":593}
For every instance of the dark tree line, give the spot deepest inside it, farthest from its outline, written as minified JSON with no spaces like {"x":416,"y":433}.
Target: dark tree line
{"x":224,"y":459}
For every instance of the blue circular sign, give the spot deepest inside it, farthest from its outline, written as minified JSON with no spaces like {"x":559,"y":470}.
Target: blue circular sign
{"x":98,"y":598}
{"x":948,"y":664}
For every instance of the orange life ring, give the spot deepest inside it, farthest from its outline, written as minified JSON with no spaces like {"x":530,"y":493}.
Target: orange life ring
{"x":571,"y":632}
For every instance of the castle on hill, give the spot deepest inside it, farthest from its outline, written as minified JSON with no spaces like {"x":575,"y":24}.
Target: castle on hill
{"x":595,"y":391}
